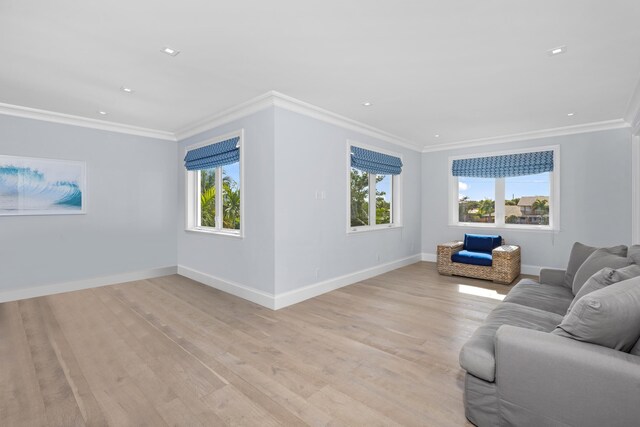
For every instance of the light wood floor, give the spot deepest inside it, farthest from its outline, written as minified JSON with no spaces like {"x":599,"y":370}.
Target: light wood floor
{"x":170,"y":351}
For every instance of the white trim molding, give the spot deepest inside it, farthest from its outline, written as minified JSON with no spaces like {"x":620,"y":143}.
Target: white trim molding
{"x":265,"y":299}
{"x":632,"y":114}
{"x":276,"y":99}
{"x":57,"y":288}
{"x":68,"y":119}
{"x":285,"y":299}
{"x":298,"y":295}
{"x":635,"y":189}
{"x":546,"y":133}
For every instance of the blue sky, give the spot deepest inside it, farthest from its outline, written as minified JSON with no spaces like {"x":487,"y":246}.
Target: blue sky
{"x":385,"y":185}
{"x":517,"y":186}
{"x":232,"y":170}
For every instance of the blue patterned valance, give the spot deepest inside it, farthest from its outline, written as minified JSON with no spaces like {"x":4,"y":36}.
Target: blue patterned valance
{"x":374,"y":162}
{"x":214,"y":155}
{"x":504,"y":166}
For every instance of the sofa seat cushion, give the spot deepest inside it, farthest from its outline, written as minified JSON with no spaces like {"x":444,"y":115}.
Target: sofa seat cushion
{"x":477,"y":356}
{"x":555,"y":299}
{"x":474,"y":258}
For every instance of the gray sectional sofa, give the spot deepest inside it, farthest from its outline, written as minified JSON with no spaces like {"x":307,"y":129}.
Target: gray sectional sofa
{"x":535,"y":363}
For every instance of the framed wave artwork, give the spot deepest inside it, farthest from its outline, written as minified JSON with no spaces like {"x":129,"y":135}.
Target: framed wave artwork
{"x":34,"y":186}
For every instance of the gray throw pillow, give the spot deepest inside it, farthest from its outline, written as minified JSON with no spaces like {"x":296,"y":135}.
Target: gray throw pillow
{"x":615,"y":257}
{"x":579,"y":254}
{"x":636,"y":349}
{"x":605,"y":277}
{"x":609,"y":317}
{"x":634,"y":254}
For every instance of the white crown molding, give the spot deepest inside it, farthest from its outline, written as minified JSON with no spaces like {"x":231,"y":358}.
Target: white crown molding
{"x":632,"y":115}
{"x":276,"y":99}
{"x":310,"y":110}
{"x":225,"y":116}
{"x":545,"y":133}
{"x":68,"y":119}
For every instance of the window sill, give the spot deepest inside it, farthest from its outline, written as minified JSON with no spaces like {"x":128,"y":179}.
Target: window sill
{"x":530,"y":228}
{"x":235,"y":235}
{"x":369,"y":228}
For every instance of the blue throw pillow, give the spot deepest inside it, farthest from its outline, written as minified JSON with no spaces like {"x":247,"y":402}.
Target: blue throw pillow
{"x":481,"y":242}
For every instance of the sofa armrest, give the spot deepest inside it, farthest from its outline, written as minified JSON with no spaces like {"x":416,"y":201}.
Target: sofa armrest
{"x":552,"y":276}
{"x":505,"y":263}
{"x":445,"y":250}
{"x":545,"y":379}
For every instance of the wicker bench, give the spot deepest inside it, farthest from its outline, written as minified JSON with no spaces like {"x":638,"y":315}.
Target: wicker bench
{"x":504,"y":269}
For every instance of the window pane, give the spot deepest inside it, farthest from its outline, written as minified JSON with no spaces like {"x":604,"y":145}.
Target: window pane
{"x":527,"y":199}
{"x":359,"y":198}
{"x":476,"y":198}
{"x":383,"y":199}
{"x":208,"y":197}
{"x":231,"y":199}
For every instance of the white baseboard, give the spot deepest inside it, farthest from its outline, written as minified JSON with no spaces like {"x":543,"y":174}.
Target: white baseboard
{"x":57,"y":288}
{"x":298,"y":295}
{"x":262,"y":298}
{"x":429,"y":257}
{"x":285,"y":299}
{"x":534,"y":270}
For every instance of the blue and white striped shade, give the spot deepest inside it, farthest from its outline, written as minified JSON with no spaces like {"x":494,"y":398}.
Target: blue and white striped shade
{"x":374,"y":162}
{"x":504,"y":166}
{"x":214,"y":155}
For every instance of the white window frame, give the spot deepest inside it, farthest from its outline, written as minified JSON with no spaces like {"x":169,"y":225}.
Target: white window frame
{"x":554,"y":197}
{"x":192,"y":192}
{"x":396,"y":196}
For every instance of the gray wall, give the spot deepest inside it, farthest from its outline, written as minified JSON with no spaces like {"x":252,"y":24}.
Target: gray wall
{"x":311,"y":234}
{"x":130,"y":224}
{"x":289,"y":234}
{"x":595,"y":197}
{"x":248,"y":261}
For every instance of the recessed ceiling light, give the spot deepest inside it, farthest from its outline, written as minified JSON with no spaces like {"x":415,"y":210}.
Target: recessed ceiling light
{"x":170,"y":51}
{"x":102,"y":112}
{"x":557,"y":50}
{"x":126,"y":89}
{"x":367,"y":104}
{"x":436,"y":135}
{"x":570,"y":114}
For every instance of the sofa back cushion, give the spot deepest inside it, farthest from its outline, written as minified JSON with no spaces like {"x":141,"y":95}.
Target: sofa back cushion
{"x":609,"y":317}
{"x":614,"y":257}
{"x":481,"y":242}
{"x":605,"y":277}
{"x":579,"y":254}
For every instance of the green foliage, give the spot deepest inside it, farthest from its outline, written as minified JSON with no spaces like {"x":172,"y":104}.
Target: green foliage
{"x":230,"y":200}
{"x":359,"y":198}
{"x":540,"y":206}
{"x":512,"y":219}
{"x":486,"y":207}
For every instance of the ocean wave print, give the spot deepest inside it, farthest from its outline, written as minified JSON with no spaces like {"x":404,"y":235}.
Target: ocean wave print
{"x":24,"y":188}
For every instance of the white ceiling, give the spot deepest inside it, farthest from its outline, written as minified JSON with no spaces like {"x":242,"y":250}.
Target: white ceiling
{"x":464,"y":69}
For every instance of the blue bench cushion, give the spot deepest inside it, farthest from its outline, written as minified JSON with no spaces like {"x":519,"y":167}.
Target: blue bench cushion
{"x":481,"y":242}
{"x":469,"y":257}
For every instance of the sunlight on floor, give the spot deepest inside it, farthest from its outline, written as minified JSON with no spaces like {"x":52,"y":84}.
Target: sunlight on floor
{"x":481,"y":292}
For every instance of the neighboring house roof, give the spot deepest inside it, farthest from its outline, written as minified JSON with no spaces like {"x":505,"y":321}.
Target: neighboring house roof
{"x":512,"y":211}
{"x":528,"y":200}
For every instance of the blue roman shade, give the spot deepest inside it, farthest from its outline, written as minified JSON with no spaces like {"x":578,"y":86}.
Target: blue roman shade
{"x":504,"y":166}
{"x":214,"y":155}
{"x":374,"y":162}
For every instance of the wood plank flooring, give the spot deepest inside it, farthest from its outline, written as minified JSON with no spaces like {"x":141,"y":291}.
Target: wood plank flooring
{"x":171,"y":351}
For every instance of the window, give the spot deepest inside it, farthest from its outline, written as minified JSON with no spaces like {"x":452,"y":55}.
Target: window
{"x":517,"y":189}
{"x":214,"y":186}
{"x":374,"y":180}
